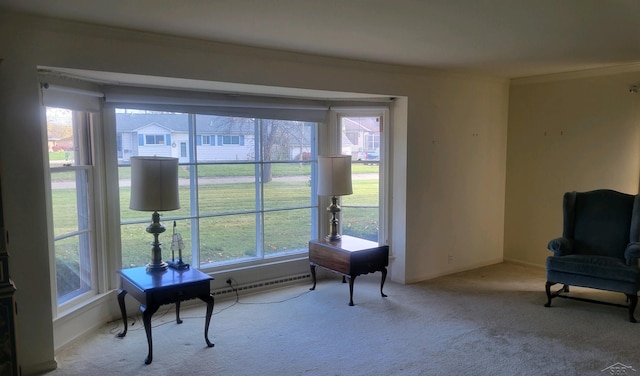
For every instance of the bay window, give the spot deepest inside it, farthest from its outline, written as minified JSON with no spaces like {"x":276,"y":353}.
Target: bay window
{"x":247,"y":180}
{"x":248,"y":201}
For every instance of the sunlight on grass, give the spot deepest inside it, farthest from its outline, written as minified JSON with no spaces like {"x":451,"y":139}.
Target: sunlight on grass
{"x":227,"y":213}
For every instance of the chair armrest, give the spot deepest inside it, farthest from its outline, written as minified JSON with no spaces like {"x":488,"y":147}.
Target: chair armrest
{"x":632,"y":253}
{"x":562,"y":246}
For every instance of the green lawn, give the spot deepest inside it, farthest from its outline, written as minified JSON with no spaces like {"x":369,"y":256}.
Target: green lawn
{"x":228,"y":219}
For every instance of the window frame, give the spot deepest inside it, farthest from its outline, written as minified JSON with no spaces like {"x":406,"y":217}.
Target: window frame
{"x":88,"y":148}
{"x":337,"y":113}
{"x":197,"y":140}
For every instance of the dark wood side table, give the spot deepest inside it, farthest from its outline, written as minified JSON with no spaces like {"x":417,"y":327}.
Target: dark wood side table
{"x":155,"y":289}
{"x":350,"y":257}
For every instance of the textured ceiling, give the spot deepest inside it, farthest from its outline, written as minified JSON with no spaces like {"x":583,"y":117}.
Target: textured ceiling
{"x":507,"y":38}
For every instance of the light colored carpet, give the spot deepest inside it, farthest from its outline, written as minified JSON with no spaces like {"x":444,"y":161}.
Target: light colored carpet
{"x":488,"y":321}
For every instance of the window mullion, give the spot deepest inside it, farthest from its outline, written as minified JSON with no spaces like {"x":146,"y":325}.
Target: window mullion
{"x":315,"y":227}
{"x":258,"y":182}
{"x":193,"y":188}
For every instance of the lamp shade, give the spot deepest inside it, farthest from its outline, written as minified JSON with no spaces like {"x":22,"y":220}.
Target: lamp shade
{"x":334,"y":175}
{"x":154,"y":184}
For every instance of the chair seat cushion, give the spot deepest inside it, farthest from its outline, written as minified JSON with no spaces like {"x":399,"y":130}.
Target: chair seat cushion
{"x":594,"y":266}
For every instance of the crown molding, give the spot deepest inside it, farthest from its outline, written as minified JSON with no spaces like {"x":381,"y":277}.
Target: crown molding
{"x":606,"y":71}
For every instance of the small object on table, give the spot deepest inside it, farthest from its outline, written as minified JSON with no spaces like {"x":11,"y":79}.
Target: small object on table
{"x":177,"y":244}
{"x":349,"y":256}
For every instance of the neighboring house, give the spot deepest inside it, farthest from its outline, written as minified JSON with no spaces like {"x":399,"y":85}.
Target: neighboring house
{"x":348,"y":148}
{"x":224,"y":138}
{"x":363,"y":134}
{"x":56,"y":143}
{"x":149,"y":134}
{"x":52,"y":142}
{"x":218,"y":138}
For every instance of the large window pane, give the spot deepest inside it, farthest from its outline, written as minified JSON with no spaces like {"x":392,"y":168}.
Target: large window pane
{"x":290,"y":186}
{"x":60,"y":137}
{"x":244,"y":183}
{"x":73,"y":274}
{"x":360,"y":211}
{"x":284,"y":140}
{"x":227,"y":238}
{"x":135,"y":243}
{"x":70,"y":166}
{"x":64,"y":200}
{"x":149,"y":133}
{"x":224,"y":138}
{"x":286,"y":231}
{"x":360,"y":222}
{"x":226,"y":188}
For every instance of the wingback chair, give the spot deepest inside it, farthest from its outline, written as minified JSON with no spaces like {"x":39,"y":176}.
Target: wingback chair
{"x":599,"y":247}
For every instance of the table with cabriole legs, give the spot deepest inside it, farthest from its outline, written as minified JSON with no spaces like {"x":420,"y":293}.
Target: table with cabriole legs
{"x":153,"y":289}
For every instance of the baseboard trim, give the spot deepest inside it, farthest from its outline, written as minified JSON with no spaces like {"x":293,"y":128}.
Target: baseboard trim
{"x":74,"y":324}
{"x":254,"y":287}
{"x":39,"y":368}
{"x":454,"y":271}
{"x":524,"y":263}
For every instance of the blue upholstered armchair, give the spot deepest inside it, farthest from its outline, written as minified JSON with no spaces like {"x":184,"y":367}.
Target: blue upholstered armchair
{"x":599,"y":247}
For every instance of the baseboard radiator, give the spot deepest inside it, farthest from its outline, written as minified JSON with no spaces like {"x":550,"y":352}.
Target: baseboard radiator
{"x":254,"y":287}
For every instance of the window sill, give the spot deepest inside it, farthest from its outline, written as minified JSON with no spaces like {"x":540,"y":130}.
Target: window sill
{"x":83,"y":318}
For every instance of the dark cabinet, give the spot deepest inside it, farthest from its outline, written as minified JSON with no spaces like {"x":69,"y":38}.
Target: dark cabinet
{"x":8,"y":356}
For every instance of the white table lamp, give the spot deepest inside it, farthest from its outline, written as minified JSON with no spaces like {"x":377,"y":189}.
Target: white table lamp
{"x":154,"y":187}
{"x":334,"y":179}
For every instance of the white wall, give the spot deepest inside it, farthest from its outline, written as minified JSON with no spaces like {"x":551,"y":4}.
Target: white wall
{"x":566,"y":133}
{"x":448,"y":146}
{"x":456,"y":176}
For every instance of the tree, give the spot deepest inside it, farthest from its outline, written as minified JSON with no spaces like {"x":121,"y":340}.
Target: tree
{"x":279,"y":139}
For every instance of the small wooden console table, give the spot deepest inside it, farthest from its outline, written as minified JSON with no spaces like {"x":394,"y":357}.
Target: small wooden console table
{"x":157,"y":288}
{"x":350,"y":257}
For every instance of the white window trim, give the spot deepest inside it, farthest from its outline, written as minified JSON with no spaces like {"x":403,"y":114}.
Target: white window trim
{"x":99,"y":268}
{"x":383,"y":112}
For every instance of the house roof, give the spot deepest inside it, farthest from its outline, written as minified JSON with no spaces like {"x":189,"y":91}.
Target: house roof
{"x":129,"y":122}
{"x":178,"y":122}
{"x":359,"y":124}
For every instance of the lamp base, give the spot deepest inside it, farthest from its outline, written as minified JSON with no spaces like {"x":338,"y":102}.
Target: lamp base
{"x":334,"y":209}
{"x":157,"y":268}
{"x":156,"y":228}
{"x":179,"y":265}
{"x":333,"y":238}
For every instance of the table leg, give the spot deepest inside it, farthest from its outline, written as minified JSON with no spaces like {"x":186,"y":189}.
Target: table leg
{"x":313,"y":276}
{"x":178,"y":312}
{"x":123,"y":311}
{"x":351,"y":280}
{"x":209,"y":300}
{"x":147,"y":312}
{"x":384,"y":277}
